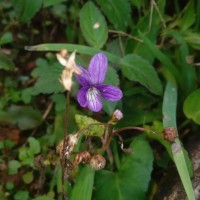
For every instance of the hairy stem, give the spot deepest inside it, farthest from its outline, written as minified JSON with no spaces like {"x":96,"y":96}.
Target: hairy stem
{"x":63,"y":163}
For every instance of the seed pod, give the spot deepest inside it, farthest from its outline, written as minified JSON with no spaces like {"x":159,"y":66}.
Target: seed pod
{"x":170,"y":133}
{"x":83,"y":157}
{"x":97,"y":162}
{"x":59,"y":148}
{"x":71,"y":142}
{"x":68,"y":169}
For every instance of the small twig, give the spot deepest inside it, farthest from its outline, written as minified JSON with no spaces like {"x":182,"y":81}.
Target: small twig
{"x":132,"y":128}
{"x":108,"y":150}
{"x":151,"y":14}
{"x":126,"y":150}
{"x":63,"y":163}
{"x":152,"y":5}
{"x":47,"y":111}
{"x":126,"y":35}
{"x":158,"y":11}
{"x":105,"y":145}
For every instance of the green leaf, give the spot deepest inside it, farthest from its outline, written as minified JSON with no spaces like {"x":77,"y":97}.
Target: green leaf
{"x":6,"y":63}
{"x":9,"y":144}
{"x":1,"y":144}
{"x":13,"y":166}
{"x":24,"y":116}
{"x":164,"y":59}
{"x":44,"y":197}
{"x":93,"y":25}
{"x":189,"y":16}
{"x":112,"y":77}
{"x":52,"y":2}
{"x":26,"y":95}
{"x":138,"y":69}
{"x":48,"y":77}
{"x":132,"y":179}
{"x":72,"y":47}
{"x":84,"y":185}
{"x":91,"y":130}
{"x":6,"y":38}
{"x":109,"y":107}
{"x":137,"y":3}
{"x":22,"y":194}
{"x":169,"y":105}
{"x":188,"y":73}
{"x":169,"y":120}
{"x":34,"y":145}
{"x":118,"y":12}
{"x":60,"y":102}
{"x":26,"y":157}
{"x":9,"y":186}
{"x":191,"y":107}
{"x":28,"y":177}
{"x":26,"y":9}
{"x":193,"y":39}
{"x":23,"y":153}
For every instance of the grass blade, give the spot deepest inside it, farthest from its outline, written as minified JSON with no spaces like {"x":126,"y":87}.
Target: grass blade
{"x":169,"y":120}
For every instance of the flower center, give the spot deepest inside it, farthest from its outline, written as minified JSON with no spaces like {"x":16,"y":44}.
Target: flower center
{"x":92,"y":94}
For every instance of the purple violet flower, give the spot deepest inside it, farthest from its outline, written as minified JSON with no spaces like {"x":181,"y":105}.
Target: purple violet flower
{"x":93,"y":89}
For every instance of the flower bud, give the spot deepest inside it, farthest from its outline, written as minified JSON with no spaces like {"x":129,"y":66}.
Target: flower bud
{"x":116,"y":116}
{"x":97,"y":162}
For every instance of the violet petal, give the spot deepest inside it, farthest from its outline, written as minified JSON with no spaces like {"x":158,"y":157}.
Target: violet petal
{"x":94,"y":100}
{"x":81,"y":97}
{"x":109,"y":92}
{"x":84,"y":78}
{"x":98,"y":68}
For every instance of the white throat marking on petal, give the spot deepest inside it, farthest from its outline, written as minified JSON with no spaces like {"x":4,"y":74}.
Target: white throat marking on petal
{"x":92,"y":94}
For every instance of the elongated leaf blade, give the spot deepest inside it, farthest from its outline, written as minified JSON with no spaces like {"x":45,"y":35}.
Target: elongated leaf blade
{"x":84,"y":185}
{"x":169,"y":120}
{"x":72,"y":47}
{"x":165,"y":60}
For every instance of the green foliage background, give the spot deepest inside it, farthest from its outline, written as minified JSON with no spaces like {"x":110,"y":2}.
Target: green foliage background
{"x":149,"y":44}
